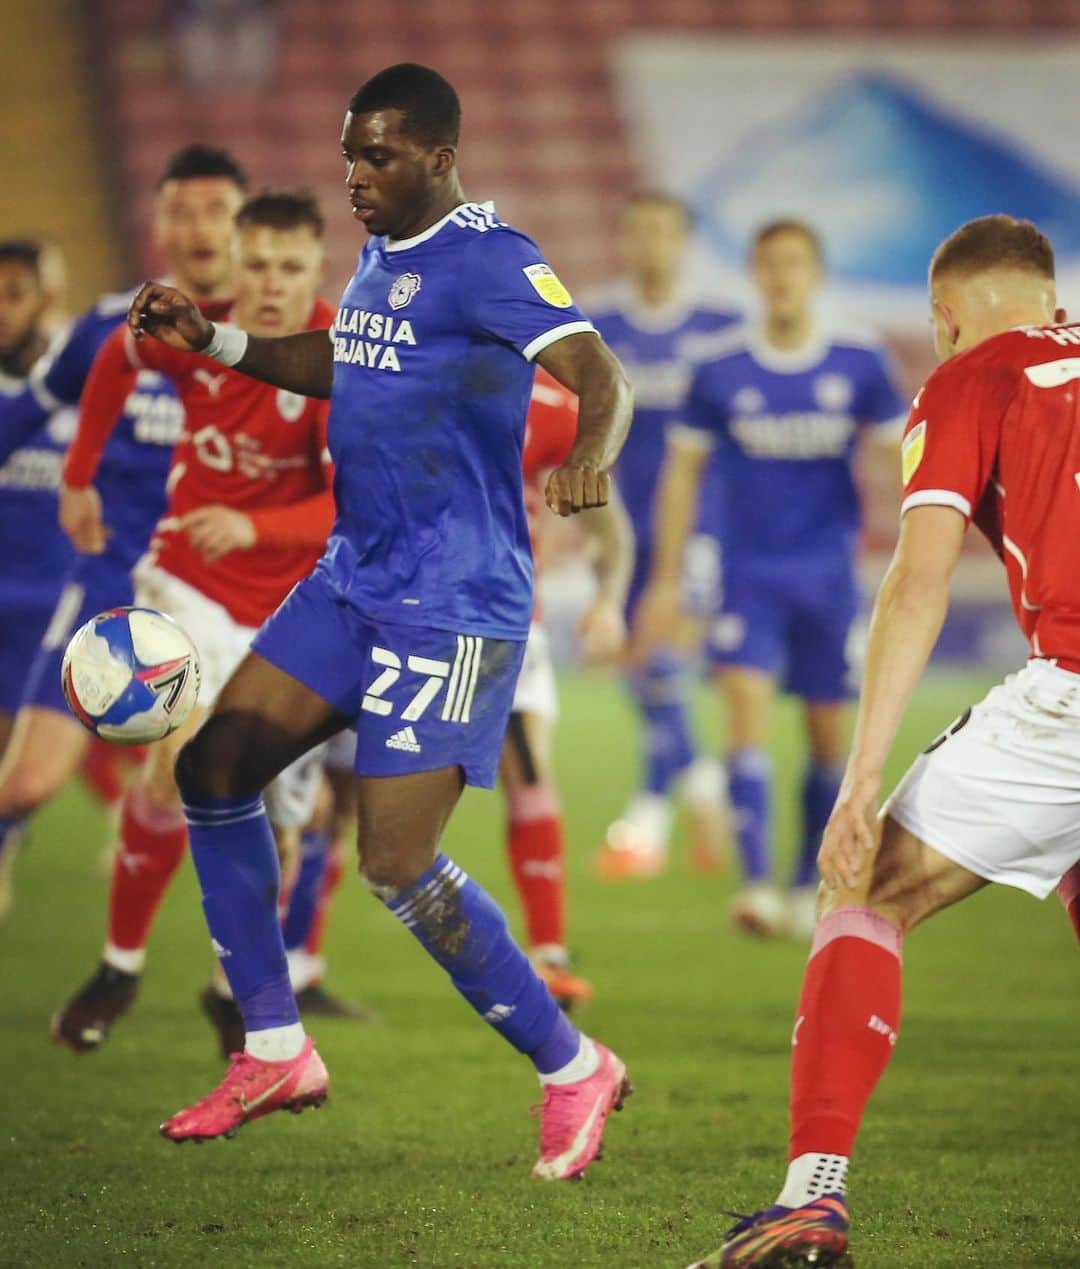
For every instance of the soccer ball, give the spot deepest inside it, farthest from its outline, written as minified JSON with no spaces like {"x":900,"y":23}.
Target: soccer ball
{"x":130,"y":675}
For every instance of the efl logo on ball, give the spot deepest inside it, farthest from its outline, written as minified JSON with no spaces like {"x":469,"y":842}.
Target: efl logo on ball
{"x":131,"y":675}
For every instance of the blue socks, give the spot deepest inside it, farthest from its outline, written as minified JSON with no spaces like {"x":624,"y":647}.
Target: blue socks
{"x":304,"y":900}
{"x":462,"y":928}
{"x":235,"y":857}
{"x":749,"y":789}
{"x":659,"y":691}
{"x":9,"y":826}
{"x":821,"y":784}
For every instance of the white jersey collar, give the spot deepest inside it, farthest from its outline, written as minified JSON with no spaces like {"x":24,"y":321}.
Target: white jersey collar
{"x":655,"y":319}
{"x":405,"y":244}
{"x":787,"y":361}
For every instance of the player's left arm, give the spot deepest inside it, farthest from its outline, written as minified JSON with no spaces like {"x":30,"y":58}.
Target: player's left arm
{"x":602,"y":628}
{"x":908,"y":615}
{"x":583,"y":363}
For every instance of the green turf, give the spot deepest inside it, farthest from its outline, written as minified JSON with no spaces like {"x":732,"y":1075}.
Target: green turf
{"x":969,"y":1156}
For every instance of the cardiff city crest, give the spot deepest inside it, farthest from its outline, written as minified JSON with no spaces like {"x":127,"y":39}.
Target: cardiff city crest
{"x":403,"y":289}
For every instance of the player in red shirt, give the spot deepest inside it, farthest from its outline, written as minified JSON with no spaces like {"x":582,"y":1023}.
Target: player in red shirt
{"x":535,"y":830}
{"x":250,"y":508}
{"x":993,"y":439}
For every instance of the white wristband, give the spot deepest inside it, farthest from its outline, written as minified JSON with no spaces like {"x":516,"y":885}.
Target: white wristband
{"x":227,"y":344}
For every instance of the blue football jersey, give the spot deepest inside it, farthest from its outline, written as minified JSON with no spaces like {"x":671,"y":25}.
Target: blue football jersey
{"x":36,"y":553}
{"x":658,"y":349}
{"x":432,"y":348}
{"x":134,"y":466}
{"x":784,"y":427}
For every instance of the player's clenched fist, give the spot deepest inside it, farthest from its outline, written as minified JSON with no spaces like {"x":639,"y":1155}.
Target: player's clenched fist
{"x":576,"y":487}
{"x":168,"y":315}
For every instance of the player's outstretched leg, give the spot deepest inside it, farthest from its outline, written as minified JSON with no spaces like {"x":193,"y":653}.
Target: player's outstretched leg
{"x":263,"y":721}
{"x":846,"y":1028}
{"x":400,"y":821}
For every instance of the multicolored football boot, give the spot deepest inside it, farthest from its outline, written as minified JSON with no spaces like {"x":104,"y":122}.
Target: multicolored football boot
{"x":786,"y":1238}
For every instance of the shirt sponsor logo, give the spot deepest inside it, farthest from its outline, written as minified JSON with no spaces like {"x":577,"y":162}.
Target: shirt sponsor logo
{"x":800,"y":435}
{"x":403,"y":289}
{"x":377,"y":337}
{"x":912,"y":450}
{"x":546,"y":284}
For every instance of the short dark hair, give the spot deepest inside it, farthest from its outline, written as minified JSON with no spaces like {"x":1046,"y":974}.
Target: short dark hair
{"x":993,"y":242}
{"x":283,"y":209}
{"x":431,"y":111}
{"x":789,"y":225}
{"x":24,"y":251}
{"x":203,"y":161}
{"x":659,"y":198}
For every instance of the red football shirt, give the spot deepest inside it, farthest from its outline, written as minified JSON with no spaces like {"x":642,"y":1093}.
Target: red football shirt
{"x":995,"y":433}
{"x":245,"y":445}
{"x":550,"y":430}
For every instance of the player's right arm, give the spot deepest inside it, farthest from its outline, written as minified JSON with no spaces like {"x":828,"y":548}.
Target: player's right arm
{"x":301,"y":363}
{"x":949,"y":453}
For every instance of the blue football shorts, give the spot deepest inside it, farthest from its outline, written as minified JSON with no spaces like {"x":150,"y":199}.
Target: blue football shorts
{"x":792,"y":619}
{"x":418,"y":698}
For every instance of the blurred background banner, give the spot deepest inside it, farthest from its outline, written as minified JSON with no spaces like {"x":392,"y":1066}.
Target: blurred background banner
{"x":884,"y":145}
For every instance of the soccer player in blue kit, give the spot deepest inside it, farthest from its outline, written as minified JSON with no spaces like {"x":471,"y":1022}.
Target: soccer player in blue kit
{"x":783,"y":406}
{"x":656,"y":327}
{"x":197,"y":197}
{"x":413,"y":624}
{"x":37,"y":555}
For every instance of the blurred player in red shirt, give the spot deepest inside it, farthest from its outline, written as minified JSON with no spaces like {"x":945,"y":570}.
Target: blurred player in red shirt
{"x":535,"y":829}
{"x":992,"y":438}
{"x":249,"y":511}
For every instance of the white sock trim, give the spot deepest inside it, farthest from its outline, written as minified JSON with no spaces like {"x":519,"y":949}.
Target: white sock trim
{"x":276,"y":1044}
{"x":129,"y":960}
{"x":580,"y":1067}
{"x":812,"y":1175}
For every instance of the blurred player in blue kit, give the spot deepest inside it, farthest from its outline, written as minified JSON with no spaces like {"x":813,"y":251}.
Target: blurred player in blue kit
{"x":413,"y":624}
{"x":197,"y":197}
{"x":656,"y":327}
{"x":781,"y":405}
{"x":36,"y":555}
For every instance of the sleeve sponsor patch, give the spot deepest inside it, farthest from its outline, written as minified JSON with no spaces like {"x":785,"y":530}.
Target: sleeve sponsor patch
{"x":912,"y":450}
{"x":546,"y":284}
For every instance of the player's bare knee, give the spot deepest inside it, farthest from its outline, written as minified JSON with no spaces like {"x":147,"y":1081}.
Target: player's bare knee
{"x":208,"y":766}
{"x":388,"y":866}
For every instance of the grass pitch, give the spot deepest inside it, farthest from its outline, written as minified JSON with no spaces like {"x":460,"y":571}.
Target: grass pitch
{"x":969,"y":1155}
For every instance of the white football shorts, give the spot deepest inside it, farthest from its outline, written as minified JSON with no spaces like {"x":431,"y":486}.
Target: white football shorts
{"x":536,"y":692}
{"x":222,"y":644}
{"x":999,"y":792}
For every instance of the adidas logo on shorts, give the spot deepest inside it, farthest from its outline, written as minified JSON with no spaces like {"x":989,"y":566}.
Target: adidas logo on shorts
{"x":404,"y":739}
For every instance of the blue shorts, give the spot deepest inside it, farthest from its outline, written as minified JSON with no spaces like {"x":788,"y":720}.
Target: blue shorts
{"x":419,"y":698}
{"x":96,"y":583}
{"x":21,"y":628}
{"x":791,"y":620}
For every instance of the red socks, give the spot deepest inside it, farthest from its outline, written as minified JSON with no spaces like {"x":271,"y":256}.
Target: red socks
{"x":845,"y":1028}
{"x":535,"y":843}
{"x":1069,"y":893}
{"x":152,"y":843}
